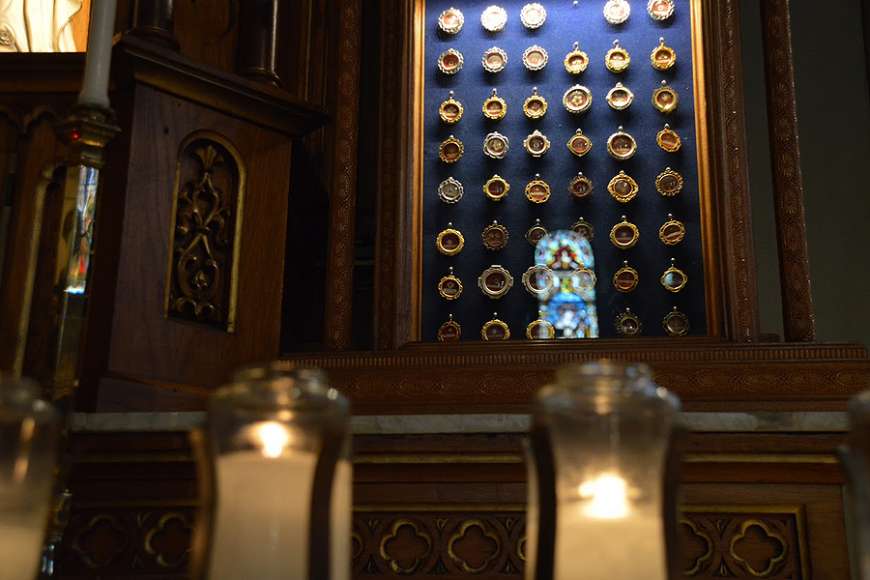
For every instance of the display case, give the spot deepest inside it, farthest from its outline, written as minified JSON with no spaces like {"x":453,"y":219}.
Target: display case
{"x":561,"y":116}
{"x":525,"y":123}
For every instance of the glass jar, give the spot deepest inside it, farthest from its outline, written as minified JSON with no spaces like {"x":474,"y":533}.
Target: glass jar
{"x":856,"y":462}
{"x":278,"y":444}
{"x":29,"y":430}
{"x":600,"y":442}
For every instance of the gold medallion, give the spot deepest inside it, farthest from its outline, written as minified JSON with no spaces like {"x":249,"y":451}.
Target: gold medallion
{"x":496,"y":145}
{"x":623,"y":188}
{"x":535,"y":106}
{"x":626,"y":278}
{"x":665,"y":99}
{"x":585,"y":279}
{"x":673,"y":279}
{"x":668,"y":140}
{"x":583,"y":228}
{"x":535,"y":233}
{"x":450,"y":110}
{"x":493,"y":19}
{"x":577,"y":99}
{"x":495,"y":329}
{"x":624,"y":235}
{"x":617,"y":59}
{"x":576,"y":61}
{"x":663,"y":57}
{"x":494,"y":60}
{"x":495,"y":282}
{"x":449,"y":286}
{"x":450,"y":61}
{"x":451,"y":20}
{"x":628,"y":324}
{"x":660,"y":10}
{"x":533,"y":15}
{"x":580,"y":186}
{"x":620,"y":97}
{"x":494,"y":107}
{"x":450,"y":241}
{"x":669,"y":183}
{"x":579,"y":144}
{"x":496,"y":188}
{"x":621,"y":145}
{"x":676,"y":323}
{"x":450,"y":191}
{"x":540,"y":329}
{"x":451,"y":150}
{"x":672,"y":231}
{"x":535,"y":57}
{"x":450,"y":331}
{"x":617,"y":11}
{"x":495,"y":236}
{"x":539,"y":281}
{"x":537,"y":190}
{"x":536,"y":144}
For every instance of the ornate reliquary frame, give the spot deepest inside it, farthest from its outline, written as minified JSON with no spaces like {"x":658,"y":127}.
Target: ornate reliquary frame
{"x":729,"y":292}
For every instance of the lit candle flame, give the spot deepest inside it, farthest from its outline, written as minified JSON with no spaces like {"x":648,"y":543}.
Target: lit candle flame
{"x":607,"y":497}
{"x":273,"y":438}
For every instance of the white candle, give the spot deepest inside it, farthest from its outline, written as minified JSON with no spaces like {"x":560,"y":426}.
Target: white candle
{"x":95,"y":86}
{"x":600,"y":536}
{"x":21,"y":547}
{"x":262,"y":516}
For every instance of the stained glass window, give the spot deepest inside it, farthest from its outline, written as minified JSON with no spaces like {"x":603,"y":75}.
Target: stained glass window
{"x":570,"y":306}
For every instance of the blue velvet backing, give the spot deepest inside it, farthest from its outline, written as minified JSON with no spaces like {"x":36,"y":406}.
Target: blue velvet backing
{"x":565,"y":24}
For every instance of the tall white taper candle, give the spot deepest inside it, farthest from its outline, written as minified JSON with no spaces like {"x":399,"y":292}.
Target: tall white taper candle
{"x":95,"y":86}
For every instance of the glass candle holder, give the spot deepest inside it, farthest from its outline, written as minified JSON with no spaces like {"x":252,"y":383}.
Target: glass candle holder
{"x":597,"y":493}
{"x":29,"y":431}
{"x":277,"y":479}
{"x":855,"y":458}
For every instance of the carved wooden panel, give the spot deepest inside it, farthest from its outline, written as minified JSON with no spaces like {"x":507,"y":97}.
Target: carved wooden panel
{"x":127,"y":542}
{"x":750,"y":542}
{"x":447,"y":544}
{"x":207,"y":218}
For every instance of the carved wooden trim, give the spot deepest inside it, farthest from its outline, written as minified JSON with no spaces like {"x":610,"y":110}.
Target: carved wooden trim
{"x":474,"y":376}
{"x":342,"y":193}
{"x":202,"y":276}
{"x":737,"y":255}
{"x":751,"y":541}
{"x":797,"y":301}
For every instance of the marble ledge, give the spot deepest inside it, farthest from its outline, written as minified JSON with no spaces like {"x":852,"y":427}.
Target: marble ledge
{"x":763,"y":422}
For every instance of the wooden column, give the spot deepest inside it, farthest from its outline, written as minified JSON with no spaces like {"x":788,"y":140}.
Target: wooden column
{"x":797,"y":302}
{"x":153,"y":19}
{"x":344,"y":99}
{"x":258,"y":41}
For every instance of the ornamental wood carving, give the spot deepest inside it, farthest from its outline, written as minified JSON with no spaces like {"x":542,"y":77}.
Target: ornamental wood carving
{"x":342,"y":197}
{"x":788,"y":194}
{"x":202,"y":277}
{"x":127,"y":541}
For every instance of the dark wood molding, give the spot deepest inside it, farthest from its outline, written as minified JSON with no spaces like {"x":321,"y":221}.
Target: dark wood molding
{"x":269,"y":107}
{"x":788,"y":194}
{"x":392,"y":264}
{"x":469,"y":377}
{"x":731,"y":170}
{"x":343,"y":134}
